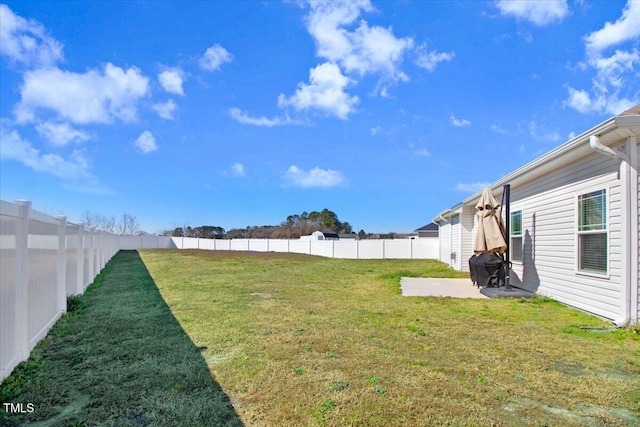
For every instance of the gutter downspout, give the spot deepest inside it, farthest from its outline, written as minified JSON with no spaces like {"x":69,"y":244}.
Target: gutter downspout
{"x":625,"y":223}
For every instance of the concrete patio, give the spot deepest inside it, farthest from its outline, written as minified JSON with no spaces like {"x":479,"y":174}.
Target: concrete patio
{"x":455,"y":288}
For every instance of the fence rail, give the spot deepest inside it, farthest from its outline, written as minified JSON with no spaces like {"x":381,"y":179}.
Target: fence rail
{"x":45,"y":259}
{"x":424,"y":248}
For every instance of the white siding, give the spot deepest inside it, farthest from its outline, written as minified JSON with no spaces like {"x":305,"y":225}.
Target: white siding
{"x":638,"y":200}
{"x":445,"y":242}
{"x":549,"y":208}
{"x":456,"y":243}
{"x":466,"y":238}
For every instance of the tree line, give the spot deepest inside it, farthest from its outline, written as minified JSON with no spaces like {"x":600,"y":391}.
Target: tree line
{"x":292,"y":227}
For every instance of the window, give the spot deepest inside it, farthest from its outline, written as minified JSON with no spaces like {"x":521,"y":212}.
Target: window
{"x":592,"y":232}
{"x":516,"y":236}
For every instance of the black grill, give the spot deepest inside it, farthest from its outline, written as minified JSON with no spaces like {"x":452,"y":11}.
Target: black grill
{"x":487,"y":270}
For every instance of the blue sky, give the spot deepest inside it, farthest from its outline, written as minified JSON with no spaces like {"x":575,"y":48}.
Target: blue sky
{"x":241,"y":113}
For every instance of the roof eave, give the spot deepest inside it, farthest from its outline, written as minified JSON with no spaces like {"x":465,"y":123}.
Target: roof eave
{"x":562,"y":150}
{"x":567,"y":151}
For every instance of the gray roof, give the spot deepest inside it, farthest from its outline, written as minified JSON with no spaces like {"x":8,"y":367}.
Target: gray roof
{"x":429,"y":227}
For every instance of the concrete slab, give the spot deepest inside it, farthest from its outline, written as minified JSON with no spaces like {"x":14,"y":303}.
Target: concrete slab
{"x":455,"y":288}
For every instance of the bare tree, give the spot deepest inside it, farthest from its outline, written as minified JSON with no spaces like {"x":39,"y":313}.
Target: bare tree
{"x":127,"y":224}
{"x":98,"y":221}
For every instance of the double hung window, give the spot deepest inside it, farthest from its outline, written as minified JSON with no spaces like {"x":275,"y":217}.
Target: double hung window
{"x":593,"y":244}
{"x":516,"y":236}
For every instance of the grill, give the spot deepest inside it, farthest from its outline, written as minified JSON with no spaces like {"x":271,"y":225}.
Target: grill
{"x":487,"y":270}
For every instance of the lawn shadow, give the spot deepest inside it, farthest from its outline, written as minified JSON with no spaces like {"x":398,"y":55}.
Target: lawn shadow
{"x":123,"y":360}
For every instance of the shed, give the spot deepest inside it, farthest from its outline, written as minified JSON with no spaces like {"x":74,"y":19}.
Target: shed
{"x":324,"y":235}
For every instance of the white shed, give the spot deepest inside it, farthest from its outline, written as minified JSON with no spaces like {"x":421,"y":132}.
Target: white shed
{"x":574,"y":222}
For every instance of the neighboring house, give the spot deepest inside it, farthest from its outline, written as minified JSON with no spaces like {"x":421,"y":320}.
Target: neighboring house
{"x":574,"y":222}
{"x":348,"y":236}
{"x":429,"y":230}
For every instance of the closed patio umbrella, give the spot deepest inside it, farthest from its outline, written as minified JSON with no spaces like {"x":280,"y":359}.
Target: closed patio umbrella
{"x":490,"y":233}
{"x":486,"y":265}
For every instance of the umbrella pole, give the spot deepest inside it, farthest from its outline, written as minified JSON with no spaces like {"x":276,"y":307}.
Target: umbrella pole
{"x":507,"y":267}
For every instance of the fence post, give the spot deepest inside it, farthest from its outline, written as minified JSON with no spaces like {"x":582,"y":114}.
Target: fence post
{"x":96,"y":253}
{"x":383,"y":244}
{"x":89,"y":249}
{"x":22,"y":280}
{"x":61,"y":289}
{"x":80,"y":263}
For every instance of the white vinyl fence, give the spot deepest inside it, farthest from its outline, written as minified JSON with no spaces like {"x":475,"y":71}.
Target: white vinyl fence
{"x":423,"y":248}
{"x":45,"y":259}
{"x":42,"y":260}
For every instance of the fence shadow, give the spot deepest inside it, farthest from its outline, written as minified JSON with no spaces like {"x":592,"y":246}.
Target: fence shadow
{"x":122,"y":360}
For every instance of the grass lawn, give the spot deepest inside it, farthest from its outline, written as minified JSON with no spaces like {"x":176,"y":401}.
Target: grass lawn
{"x":295,"y":340}
{"x":119,"y":359}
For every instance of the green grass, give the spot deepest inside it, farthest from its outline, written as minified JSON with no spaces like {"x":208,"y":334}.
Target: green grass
{"x":119,"y":358}
{"x":297,"y":340}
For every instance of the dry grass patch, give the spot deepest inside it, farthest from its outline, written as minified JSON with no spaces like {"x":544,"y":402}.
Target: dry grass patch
{"x":302,"y":340}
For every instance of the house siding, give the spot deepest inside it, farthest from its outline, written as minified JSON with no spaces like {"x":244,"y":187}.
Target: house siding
{"x":549,"y":215}
{"x":445,"y":242}
{"x":455,"y":242}
{"x":638,"y":275}
{"x":546,"y":191}
{"x":467,"y":219}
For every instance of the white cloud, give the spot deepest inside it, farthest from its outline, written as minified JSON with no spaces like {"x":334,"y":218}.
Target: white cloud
{"x":459,"y":122}
{"x":363,"y":50}
{"x":244,"y":118}
{"x":146,"y":143}
{"x":375,"y":130}
{"x":237,"y":170}
{"x":538,"y":12}
{"x":612,"y":90}
{"x":92,"y":97}
{"x":497,"y":129}
{"x":627,"y":27}
{"x":61,"y":134}
{"x":171,"y":80}
{"x":165,"y":109}
{"x":472,"y":187}
{"x":14,"y":147}
{"x":429,"y":60}
{"x":26,"y":41}
{"x":579,"y":100}
{"x":422,"y":152}
{"x":315,"y":177}
{"x":325,"y":92}
{"x":548,"y":136}
{"x":214,"y":57}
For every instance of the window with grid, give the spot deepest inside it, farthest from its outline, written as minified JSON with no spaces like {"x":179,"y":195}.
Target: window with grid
{"x":516,"y":236}
{"x":592,"y":232}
